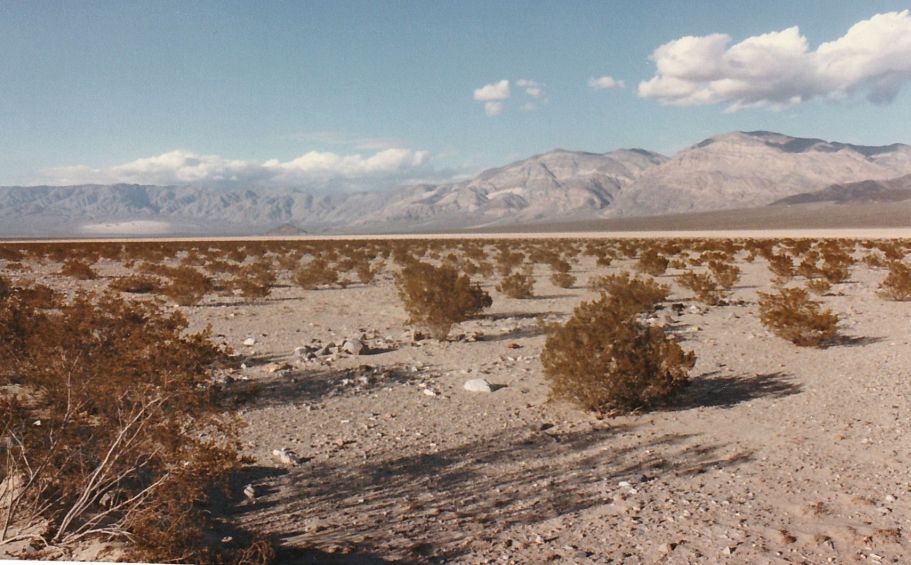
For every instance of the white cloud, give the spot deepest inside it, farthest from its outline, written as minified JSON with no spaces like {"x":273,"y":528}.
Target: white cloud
{"x":493,"y":108}
{"x":532,"y":88}
{"x":493,"y":91}
{"x":184,"y":167}
{"x":606,"y":82}
{"x":778,"y":70}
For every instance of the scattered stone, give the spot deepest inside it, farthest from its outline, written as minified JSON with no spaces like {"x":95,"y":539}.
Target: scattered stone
{"x":478,"y":385}
{"x":249,"y":492}
{"x":354,"y":347}
{"x":272,"y":368}
{"x":286,"y":456}
{"x":250,"y":341}
{"x":429,"y":392}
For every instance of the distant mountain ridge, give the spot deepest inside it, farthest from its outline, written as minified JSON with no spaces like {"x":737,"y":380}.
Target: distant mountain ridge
{"x":733,"y":170}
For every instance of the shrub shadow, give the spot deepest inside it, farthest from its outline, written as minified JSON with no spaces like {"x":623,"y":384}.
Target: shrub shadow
{"x":710,"y":391}
{"x":432,"y":506}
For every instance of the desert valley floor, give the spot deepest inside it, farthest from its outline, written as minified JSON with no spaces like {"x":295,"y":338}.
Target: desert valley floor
{"x":773,"y":454}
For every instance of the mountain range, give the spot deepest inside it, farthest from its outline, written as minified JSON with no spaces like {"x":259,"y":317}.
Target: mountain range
{"x":732,"y":170}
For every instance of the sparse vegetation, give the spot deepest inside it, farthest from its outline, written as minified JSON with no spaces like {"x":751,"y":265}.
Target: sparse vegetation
{"x":792,"y":315}
{"x":436,"y":298}
{"x":517,"y":285}
{"x":603,"y":359}
{"x":897,"y":284}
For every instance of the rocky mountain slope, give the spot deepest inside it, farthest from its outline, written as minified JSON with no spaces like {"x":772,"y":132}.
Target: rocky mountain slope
{"x":892,"y":190}
{"x":734,"y":170}
{"x":747,"y":169}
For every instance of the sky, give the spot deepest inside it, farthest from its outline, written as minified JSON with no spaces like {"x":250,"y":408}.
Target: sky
{"x":373,"y":94}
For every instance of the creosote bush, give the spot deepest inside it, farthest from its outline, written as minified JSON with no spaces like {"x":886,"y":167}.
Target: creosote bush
{"x":652,"y":263}
{"x":435,"y":298}
{"x":112,"y":427}
{"x":517,"y":285}
{"x":703,"y":286}
{"x":632,"y":293}
{"x":897,"y":284}
{"x":315,"y":274}
{"x":77,"y":269}
{"x":604,"y":359}
{"x":792,"y":315}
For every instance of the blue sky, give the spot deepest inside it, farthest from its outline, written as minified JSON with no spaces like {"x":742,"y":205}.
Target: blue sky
{"x":289,"y":92}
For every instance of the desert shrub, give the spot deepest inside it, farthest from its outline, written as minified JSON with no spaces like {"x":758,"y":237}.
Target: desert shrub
{"x":726,"y":274}
{"x":435,"y":298}
{"x":604,"y":359}
{"x":562,"y":280}
{"x":652,"y":263}
{"x":76,"y":269}
{"x":135,"y":284}
{"x":703,"y":286}
{"x":365,"y":273}
{"x":517,"y":285}
{"x":633,"y":293}
{"x":255,"y":280}
{"x":187,"y":286}
{"x":792,"y":315}
{"x":315,"y":274}
{"x":782,"y":266}
{"x":819,"y":286}
{"x":113,"y":428}
{"x":897,"y":284}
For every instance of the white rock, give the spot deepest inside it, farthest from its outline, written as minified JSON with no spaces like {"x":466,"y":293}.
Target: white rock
{"x":478,"y":385}
{"x":429,"y":392}
{"x":286,"y":456}
{"x":250,"y":341}
{"x":249,"y":492}
{"x":354,"y":347}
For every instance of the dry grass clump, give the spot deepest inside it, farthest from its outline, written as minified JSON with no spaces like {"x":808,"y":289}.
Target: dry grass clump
{"x":187,"y":285}
{"x":603,"y":359}
{"x":897,"y":284}
{"x":726,"y":274}
{"x":112,"y":428}
{"x":316,"y":274}
{"x":704,"y":286}
{"x":634,"y":293}
{"x":652,"y":263}
{"x":792,"y":315}
{"x":255,"y":280}
{"x":76,"y":269}
{"x":435,"y":298}
{"x":517,"y":285}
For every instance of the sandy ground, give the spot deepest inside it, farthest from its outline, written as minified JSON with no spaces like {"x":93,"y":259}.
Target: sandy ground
{"x":775,"y":453}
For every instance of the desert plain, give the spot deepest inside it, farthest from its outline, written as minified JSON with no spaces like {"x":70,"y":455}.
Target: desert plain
{"x":773,"y":453}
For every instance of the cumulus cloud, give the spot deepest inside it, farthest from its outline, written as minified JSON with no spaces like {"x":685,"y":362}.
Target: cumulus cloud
{"x":778,"y":69}
{"x":493,"y":108}
{"x":606,"y":82}
{"x":494,"y":91}
{"x":532,"y":88}
{"x":495,"y":95}
{"x":184,"y":167}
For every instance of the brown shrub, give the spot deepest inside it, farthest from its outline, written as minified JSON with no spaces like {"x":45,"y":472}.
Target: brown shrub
{"x":897,"y":284}
{"x":254,"y":281}
{"x":782,"y":266}
{"x":435,"y":298}
{"x":703,"y":286}
{"x":517,"y":285}
{"x":187,"y":285}
{"x":819,"y":286}
{"x":791,"y":314}
{"x":116,"y":430}
{"x":76,"y":269}
{"x":726,"y":274}
{"x":315,"y":274}
{"x":633,"y":293}
{"x":562,"y":280}
{"x":652,"y":263}
{"x":603,"y":359}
